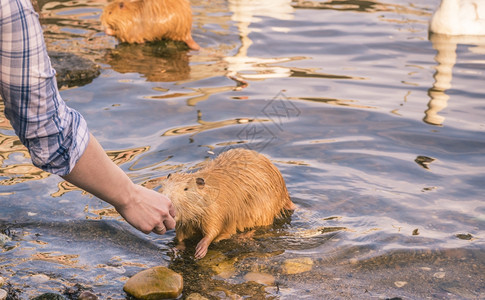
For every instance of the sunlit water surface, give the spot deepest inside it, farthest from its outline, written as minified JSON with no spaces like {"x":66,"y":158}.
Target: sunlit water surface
{"x":378,"y":130}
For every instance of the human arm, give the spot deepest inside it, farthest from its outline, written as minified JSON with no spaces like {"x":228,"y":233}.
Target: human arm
{"x":143,"y":208}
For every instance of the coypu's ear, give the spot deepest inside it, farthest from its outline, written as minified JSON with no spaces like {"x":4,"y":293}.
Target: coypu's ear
{"x":200,"y":182}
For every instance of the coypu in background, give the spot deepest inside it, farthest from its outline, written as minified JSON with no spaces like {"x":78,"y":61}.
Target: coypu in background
{"x":239,"y":189}
{"x":139,"y":21}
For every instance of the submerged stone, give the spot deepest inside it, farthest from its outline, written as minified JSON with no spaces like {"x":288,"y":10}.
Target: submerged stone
{"x":40,"y":278}
{"x":87,"y":295}
{"x":463,"y":236}
{"x":3,"y":294}
{"x":196,"y":296}
{"x":155,"y":283}
{"x":220,"y":264}
{"x":73,"y":70}
{"x":297,"y":265}
{"x":261,"y":278}
{"x":49,"y":296}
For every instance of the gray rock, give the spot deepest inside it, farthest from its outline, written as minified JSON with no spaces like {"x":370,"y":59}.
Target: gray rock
{"x":73,"y":70}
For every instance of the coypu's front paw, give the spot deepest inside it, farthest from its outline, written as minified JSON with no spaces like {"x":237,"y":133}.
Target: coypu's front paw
{"x":201,"y":248}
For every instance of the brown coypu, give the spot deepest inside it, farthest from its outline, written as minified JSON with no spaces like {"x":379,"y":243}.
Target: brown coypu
{"x":139,"y":21}
{"x":239,"y":189}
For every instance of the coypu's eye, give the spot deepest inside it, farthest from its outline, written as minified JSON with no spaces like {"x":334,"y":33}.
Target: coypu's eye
{"x":122,"y":4}
{"x":168,"y":176}
{"x":186,"y":189}
{"x":200,"y":182}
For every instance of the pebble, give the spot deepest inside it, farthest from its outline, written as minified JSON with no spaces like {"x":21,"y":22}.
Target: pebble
{"x":400,"y":284}
{"x":297,"y":265}
{"x":40,"y":278}
{"x":155,"y":283}
{"x":439,"y":275}
{"x":2,"y":281}
{"x":464,"y":236}
{"x":353,"y":261}
{"x":4,"y":239}
{"x":87,"y":295}
{"x":196,"y":296}
{"x":3,"y":294}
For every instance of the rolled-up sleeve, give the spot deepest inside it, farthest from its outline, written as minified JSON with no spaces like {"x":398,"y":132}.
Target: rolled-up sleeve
{"x":55,"y":134}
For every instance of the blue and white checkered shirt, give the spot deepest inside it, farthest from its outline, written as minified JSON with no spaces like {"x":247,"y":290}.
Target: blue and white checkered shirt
{"x":55,"y":134}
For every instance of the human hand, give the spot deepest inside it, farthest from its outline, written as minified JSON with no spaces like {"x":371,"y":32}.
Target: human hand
{"x":144,"y":209}
{"x":148,"y":210}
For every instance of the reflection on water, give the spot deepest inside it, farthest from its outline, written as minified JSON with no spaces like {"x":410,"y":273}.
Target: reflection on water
{"x":243,"y":14}
{"x":359,"y":6}
{"x":15,"y":166}
{"x":333,"y":92}
{"x":155,"y":62}
{"x":205,"y":125}
{"x":446,"y":57}
{"x":332,"y":101}
{"x":11,"y":145}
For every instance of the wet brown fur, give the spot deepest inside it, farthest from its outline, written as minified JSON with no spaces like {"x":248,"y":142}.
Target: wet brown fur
{"x":239,"y":189}
{"x":139,"y":21}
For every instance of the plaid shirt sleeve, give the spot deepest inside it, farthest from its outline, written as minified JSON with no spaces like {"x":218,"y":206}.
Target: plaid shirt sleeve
{"x":55,"y":134}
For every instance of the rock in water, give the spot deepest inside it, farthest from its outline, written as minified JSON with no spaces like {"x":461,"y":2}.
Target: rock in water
{"x":3,"y":294}
{"x":49,"y":296}
{"x":297,"y":265}
{"x":87,"y":295}
{"x":155,"y":283}
{"x":73,"y":70}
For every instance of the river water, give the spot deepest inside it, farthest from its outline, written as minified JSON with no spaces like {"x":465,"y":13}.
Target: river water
{"x":377,"y":128}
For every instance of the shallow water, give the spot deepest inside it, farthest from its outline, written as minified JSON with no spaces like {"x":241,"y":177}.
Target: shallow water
{"x":378,"y":131}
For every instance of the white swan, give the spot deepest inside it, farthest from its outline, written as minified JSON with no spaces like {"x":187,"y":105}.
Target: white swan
{"x":459,"y":17}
